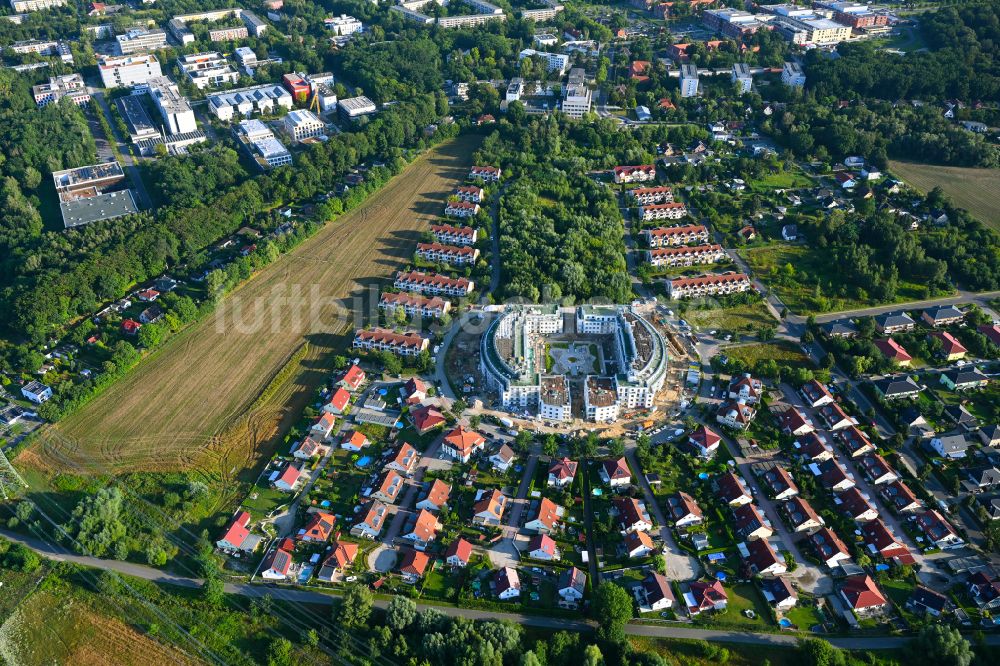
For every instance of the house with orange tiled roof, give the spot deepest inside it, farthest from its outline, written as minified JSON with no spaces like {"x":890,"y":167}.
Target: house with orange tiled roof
{"x":423,"y":531}
{"x":353,"y":378}
{"x":387,"y":487}
{"x":435,"y":497}
{"x":639,"y":544}
{"x":403,"y":460}
{"x":323,"y":425}
{"x":489,"y":507}
{"x":340,"y":559}
{"x":462,"y":443}
{"x":413,"y":566}
{"x":354,"y":440}
{"x":370,"y":524}
{"x":545,"y":518}
{"x":318,"y":528}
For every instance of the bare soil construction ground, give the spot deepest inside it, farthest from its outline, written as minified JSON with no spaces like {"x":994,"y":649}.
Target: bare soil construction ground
{"x":194,"y":404}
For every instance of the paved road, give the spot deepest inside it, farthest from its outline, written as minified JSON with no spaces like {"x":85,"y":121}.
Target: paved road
{"x":128,"y":163}
{"x":982,"y":299}
{"x":305,"y":596}
{"x":680,"y":565}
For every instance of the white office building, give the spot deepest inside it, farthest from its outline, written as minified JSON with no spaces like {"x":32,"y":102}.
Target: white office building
{"x":356,"y":107}
{"x":689,"y":80}
{"x":127,"y":71}
{"x":208,"y":69}
{"x":578,"y":97}
{"x":246,"y":57}
{"x":343,"y":25}
{"x":174,"y":107}
{"x":556,"y":62}
{"x":303,"y":124}
{"x":262,"y":145}
{"x":141,"y":40}
{"x":247,"y":101}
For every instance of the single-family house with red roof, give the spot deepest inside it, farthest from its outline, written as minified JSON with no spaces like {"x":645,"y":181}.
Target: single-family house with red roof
{"x":387,"y":487}
{"x":801,"y":516}
{"x":763,"y":560}
{"x":436,"y":497}
{"x":353,"y":378}
{"x":413,"y":566}
{"x":862,"y":595}
{"x":815,"y":394}
{"x":855,"y":442}
{"x":732,"y":490}
{"x":834,"y":477}
{"x":278,"y":566}
{"x":894,"y":351}
{"x":615,"y":473}
{"x":424,"y":530}
{"x":354,"y":440}
{"x":750,"y":524}
{"x":287,"y":479}
{"x":130,"y":327}
{"x":561,"y":472}
{"x":705,"y":596}
{"x":237,"y":536}
{"x":426,"y":419}
{"x":828,"y":547}
{"x":877,"y":470}
{"x":632,"y":515}
{"x":855,"y":504}
{"x":900,"y":498}
{"x":324,"y":425}
{"x":489,"y":507}
{"x":340,"y":559}
{"x":951,"y":348}
{"x":704,"y":441}
{"x":543,"y":547}
{"x":338,"y":402}
{"x":883,"y":543}
{"x":546,"y":517}
{"x":458,"y":553}
{"x":371,"y":522}
{"x":507,"y":583}
{"x":310,"y":447}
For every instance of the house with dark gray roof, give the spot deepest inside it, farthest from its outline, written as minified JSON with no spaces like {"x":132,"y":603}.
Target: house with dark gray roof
{"x":990,"y":435}
{"x":961,"y":416}
{"x":942,"y":316}
{"x":981,"y":478}
{"x":952,"y":446}
{"x":890,"y":323}
{"x":964,"y":379}
{"x":839,"y":329}
{"x":897,"y":388}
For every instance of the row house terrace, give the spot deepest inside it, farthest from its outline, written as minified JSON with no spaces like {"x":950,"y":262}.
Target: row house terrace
{"x":686,"y":256}
{"x":433,"y":284}
{"x":449,"y":254}
{"x":461,"y":209}
{"x":708,"y":285}
{"x":645,"y":196}
{"x":470,"y":193}
{"x":663,"y":211}
{"x":383,"y":339}
{"x":434,"y":306}
{"x":679,"y":235}
{"x":635,"y":174}
{"x":484,"y":174}
{"x":446,"y":233}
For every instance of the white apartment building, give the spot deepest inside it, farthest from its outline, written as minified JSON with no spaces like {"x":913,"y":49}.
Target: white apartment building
{"x":303,"y":124}
{"x":686,"y":256}
{"x":672,"y":210}
{"x":343,"y":25}
{"x":246,"y":57}
{"x":741,"y":77}
{"x":21,"y":6}
{"x":515,"y":89}
{"x":174,"y":107}
{"x":600,"y":399}
{"x":141,"y":40}
{"x":229,"y":34}
{"x":645,"y":196}
{"x":689,"y":80}
{"x":680,"y":235}
{"x":45,"y":48}
{"x":792,"y":75}
{"x":449,"y":254}
{"x":246,"y":101}
{"x":554,"y":402}
{"x":708,"y":285}
{"x":555,"y":62}
{"x":127,"y":71}
{"x":208,"y":69}
{"x":433,"y":284}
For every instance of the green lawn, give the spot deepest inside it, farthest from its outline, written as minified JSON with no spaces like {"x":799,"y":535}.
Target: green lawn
{"x":783,"y":180}
{"x":736,"y":318}
{"x":261,"y":501}
{"x":780,"y":351}
{"x":805,"y":616}
{"x":792,"y":271}
{"x":742,"y":597}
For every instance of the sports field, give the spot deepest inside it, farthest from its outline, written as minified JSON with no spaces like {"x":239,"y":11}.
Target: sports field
{"x":197,"y":402}
{"x":970,"y":188}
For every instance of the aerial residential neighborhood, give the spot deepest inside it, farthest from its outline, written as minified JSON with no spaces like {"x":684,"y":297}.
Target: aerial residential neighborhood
{"x":535,"y":332}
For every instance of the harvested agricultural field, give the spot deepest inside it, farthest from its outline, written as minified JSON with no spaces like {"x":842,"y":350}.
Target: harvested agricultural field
{"x":970,"y":188}
{"x":215,"y":396}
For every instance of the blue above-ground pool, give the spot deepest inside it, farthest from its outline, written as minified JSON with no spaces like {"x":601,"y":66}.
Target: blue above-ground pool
{"x":721,"y":576}
{"x":598,"y":492}
{"x":702,"y":475}
{"x":325,"y":503}
{"x":383,"y":391}
{"x":364,"y":461}
{"x":785,"y":623}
